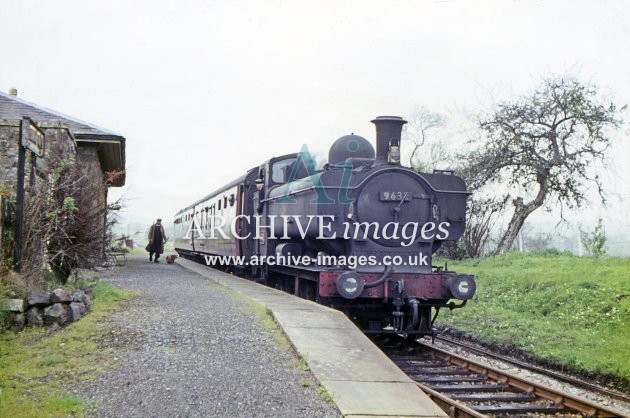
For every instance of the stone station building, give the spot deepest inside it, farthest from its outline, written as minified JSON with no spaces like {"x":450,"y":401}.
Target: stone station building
{"x":38,"y":131}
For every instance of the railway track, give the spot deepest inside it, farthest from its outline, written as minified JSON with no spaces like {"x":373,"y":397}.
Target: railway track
{"x":464,"y":388}
{"x":523,"y":365}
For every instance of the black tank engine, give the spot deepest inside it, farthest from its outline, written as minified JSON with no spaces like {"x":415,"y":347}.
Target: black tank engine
{"x":357,"y":235}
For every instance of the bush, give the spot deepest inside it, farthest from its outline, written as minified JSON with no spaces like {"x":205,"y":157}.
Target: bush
{"x":595,"y":241}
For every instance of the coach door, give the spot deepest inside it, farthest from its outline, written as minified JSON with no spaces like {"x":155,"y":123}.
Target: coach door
{"x":240,"y":225}
{"x":262,"y":184}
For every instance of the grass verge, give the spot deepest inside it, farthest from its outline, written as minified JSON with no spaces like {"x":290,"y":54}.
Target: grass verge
{"x":35,"y":367}
{"x":568,"y":310}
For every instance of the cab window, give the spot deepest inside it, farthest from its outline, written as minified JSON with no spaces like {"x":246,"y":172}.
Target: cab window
{"x":281,"y":170}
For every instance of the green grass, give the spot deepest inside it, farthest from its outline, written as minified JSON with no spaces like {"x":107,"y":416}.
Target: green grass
{"x":35,"y":367}
{"x":559,"y":307}
{"x":324,"y":394}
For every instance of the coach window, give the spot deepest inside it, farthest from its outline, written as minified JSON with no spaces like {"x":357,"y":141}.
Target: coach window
{"x":225,"y":201}
{"x":281,"y":170}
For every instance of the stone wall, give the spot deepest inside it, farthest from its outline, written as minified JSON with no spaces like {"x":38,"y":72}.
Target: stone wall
{"x":42,"y":308}
{"x":59,"y":142}
{"x":88,"y":160}
{"x":9,"y":137}
{"x":57,"y":136}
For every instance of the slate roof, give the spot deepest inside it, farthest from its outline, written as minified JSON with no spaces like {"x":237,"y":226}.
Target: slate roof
{"x":111,"y":144}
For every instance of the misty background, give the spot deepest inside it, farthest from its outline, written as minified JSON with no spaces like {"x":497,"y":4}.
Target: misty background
{"x":205,"y":90}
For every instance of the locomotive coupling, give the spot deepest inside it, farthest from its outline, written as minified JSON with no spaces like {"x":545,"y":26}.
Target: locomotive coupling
{"x":413,"y":303}
{"x":462,"y":286}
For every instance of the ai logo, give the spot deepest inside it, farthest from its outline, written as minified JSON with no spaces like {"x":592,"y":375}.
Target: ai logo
{"x":305,"y":159}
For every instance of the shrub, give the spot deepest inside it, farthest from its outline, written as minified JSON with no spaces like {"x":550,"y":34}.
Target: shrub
{"x":594,"y":241}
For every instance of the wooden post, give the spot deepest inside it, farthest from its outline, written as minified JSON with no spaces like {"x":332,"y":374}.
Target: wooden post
{"x":19,"y":203}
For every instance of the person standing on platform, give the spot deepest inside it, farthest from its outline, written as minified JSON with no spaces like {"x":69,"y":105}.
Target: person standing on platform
{"x":157,"y":238}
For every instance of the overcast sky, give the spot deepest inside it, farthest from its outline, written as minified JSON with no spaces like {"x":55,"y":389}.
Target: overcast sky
{"x":204,"y":90}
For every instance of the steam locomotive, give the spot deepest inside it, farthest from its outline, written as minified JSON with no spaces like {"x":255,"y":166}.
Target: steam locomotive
{"x":357,"y":234}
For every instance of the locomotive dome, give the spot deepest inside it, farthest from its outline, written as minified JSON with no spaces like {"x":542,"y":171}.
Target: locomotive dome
{"x":350,"y":146}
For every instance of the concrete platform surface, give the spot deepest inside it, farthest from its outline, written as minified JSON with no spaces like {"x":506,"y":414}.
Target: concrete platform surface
{"x":361,"y":380}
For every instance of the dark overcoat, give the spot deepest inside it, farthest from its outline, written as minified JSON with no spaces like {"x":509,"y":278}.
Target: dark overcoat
{"x":157,"y":247}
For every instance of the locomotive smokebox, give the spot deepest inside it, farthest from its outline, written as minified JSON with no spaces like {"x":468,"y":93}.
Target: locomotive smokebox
{"x":388,"y":133}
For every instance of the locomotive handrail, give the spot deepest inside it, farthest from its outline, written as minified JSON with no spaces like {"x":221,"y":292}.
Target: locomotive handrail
{"x":380,"y":280}
{"x":453,"y":305}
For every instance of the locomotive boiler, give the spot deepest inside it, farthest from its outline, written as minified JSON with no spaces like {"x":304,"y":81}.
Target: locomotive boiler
{"x":357,"y":234}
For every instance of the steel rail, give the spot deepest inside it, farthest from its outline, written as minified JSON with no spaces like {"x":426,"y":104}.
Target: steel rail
{"x":556,"y":375}
{"x":560,"y":399}
{"x":453,"y":408}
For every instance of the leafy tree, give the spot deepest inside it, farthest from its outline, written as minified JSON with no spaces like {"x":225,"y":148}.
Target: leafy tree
{"x":542,"y":147}
{"x":594,"y":241}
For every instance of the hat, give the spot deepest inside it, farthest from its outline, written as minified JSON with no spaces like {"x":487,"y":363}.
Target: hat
{"x":159,"y":219}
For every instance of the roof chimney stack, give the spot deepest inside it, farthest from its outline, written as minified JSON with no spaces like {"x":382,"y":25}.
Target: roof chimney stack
{"x":13,"y":91}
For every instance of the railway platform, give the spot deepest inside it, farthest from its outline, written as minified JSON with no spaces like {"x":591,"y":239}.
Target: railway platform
{"x":360,"y":379}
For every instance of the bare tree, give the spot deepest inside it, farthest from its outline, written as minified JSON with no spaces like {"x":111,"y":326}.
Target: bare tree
{"x":418,"y":130}
{"x":481,"y":217}
{"x":542,"y":148}
{"x":66,"y":227}
{"x":481,"y":214}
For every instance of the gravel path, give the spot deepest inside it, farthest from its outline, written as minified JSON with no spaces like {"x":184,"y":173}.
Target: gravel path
{"x":187,"y":347}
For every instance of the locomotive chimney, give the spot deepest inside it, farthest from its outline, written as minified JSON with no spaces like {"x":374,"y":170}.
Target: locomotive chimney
{"x":388,"y":132}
